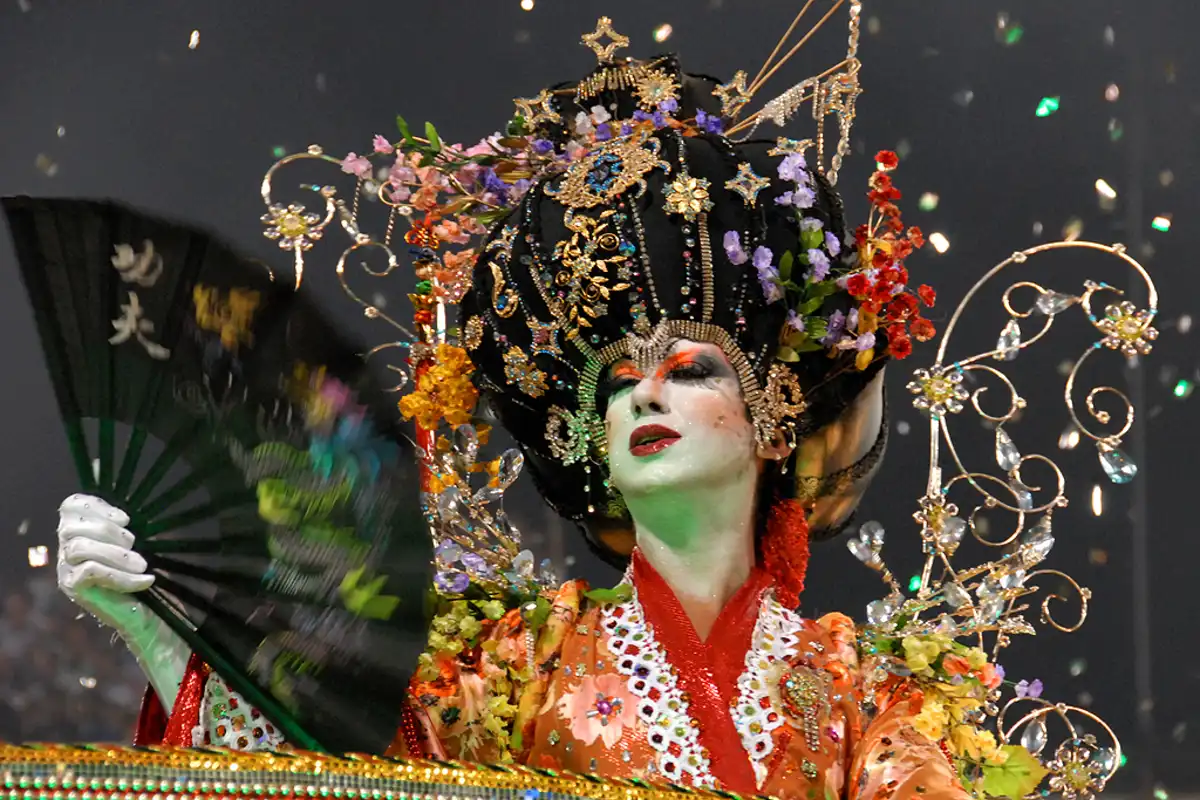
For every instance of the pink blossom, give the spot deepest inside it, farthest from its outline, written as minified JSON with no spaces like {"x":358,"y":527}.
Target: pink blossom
{"x":599,"y":709}
{"x":450,"y":231}
{"x":381,"y":144}
{"x":354,"y":164}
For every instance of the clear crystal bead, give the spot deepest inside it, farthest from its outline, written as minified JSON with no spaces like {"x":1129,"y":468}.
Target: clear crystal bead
{"x":1034,"y":736}
{"x":955,"y":595}
{"x":466,"y":443}
{"x":1117,"y":466}
{"x":952,"y":532}
{"x":1051,"y":303}
{"x":488,"y":494}
{"x":1013,"y":580}
{"x":522,"y":564}
{"x":1105,"y":759}
{"x":988,"y":588}
{"x":1009,"y":342}
{"x":991,"y":609}
{"x":448,"y":503}
{"x":860,"y":550}
{"x":1007,"y":454}
{"x":506,"y":528}
{"x":511,"y":462}
{"x":879,"y":612}
{"x":873,"y":532}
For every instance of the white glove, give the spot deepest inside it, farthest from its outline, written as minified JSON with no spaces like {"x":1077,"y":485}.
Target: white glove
{"x":98,"y":569}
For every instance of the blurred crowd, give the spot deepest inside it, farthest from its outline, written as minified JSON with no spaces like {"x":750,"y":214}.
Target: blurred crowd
{"x":63,"y":677}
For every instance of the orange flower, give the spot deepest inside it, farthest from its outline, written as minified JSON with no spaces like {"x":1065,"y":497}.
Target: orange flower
{"x":990,"y":677}
{"x":955,"y":665}
{"x":922,"y":329}
{"x":886,"y":159}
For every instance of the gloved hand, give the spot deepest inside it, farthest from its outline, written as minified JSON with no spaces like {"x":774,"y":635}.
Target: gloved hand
{"x":98,"y":569}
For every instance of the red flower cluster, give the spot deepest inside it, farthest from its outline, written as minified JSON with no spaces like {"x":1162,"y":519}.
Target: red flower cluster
{"x":881,"y":285}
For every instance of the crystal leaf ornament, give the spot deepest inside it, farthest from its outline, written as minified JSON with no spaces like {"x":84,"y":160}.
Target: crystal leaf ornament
{"x":1051,"y":303}
{"x":1117,"y":466}
{"x":1009,"y":343}
{"x":1007,"y":454}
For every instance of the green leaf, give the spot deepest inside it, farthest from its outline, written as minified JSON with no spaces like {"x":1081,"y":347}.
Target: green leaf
{"x":517,"y":126}
{"x":540,"y":614}
{"x":785,"y":265}
{"x":427,"y":159}
{"x":788,"y":354}
{"x":620,"y":593}
{"x":1016,"y":777}
{"x":822,"y":288}
{"x":810,"y":347}
{"x":435,"y":143}
{"x":811,"y":239}
{"x":809,"y":306}
{"x":816,"y":327}
{"x":404,"y":131}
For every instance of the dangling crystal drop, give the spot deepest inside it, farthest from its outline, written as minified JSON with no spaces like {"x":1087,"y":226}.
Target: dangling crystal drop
{"x":1117,"y":466}
{"x":1039,"y":541}
{"x":1023,"y":495}
{"x":1007,"y":454}
{"x":466,"y":443}
{"x":860,"y":550}
{"x":1009,"y":342}
{"x":511,"y":462}
{"x":991,"y":609}
{"x":873,"y":532}
{"x":1051,"y":303}
{"x":1013,"y":580}
{"x":955,"y":595}
{"x":1105,"y":759}
{"x":447,"y":503}
{"x":879,"y":612}
{"x":488,"y":494}
{"x":1034,"y":737}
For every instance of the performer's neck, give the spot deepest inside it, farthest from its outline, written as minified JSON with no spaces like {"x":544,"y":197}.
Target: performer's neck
{"x":701,"y":541}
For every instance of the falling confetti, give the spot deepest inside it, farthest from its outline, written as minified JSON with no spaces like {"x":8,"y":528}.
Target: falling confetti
{"x":1097,"y":500}
{"x":1085,"y":699}
{"x":1008,"y":32}
{"x":24,"y":5}
{"x":903,"y":428}
{"x":1116,"y":129}
{"x":321,"y":82}
{"x":39,"y":556}
{"x":1097,"y":556}
{"x":527,"y":5}
{"x":62,"y":131}
{"x":1185,"y":323}
{"x":1160,"y":793}
{"x":939,"y":241}
{"x":1179,"y":732}
{"x":874,"y":25}
{"x":1105,"y":189}
{"x":1073,"y":229}
{"x":663,"y":32}
{"x":23,"y":528}
{"x":1078,"y":666}
{"x":522,"y":36}
{"x":1161,"y":223}
{"x":87,"y":682}
{"x":914,"y":583}
{"x":928,"y":201}
{"x":1112,"y":93}
{"x":194,"y":40}
{"x":1110,"y":36}
{"x":46,"y":165}
{"x":1069,"y":439}
{"x":379,"y":300}
{"x":1047,"y":106}
{"x":279,"y":151}
{"x":963,"y":97}
{"x":1038,"y":228}
{"x":1183,"y":389}
{"x":1166,"y":177}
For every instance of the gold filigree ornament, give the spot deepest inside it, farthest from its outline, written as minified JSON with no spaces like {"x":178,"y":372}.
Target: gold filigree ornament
{"x":523,"y":373}
{"x":504,"y":301}
{"x":537,"y":110}
{"x":572,"y":437}
{"x":938,"y":392}
{"x":747,"y":184}
{"x":733,"y":95}
{"x":653,"y":87}
{"x":783,"y":402}
{"x":688,"y":195}
{"x":1128,"y":329}
{"x":472,"y":335}
{"x":544,"y":338}
{"x":585,"y":258}
{"x":616,"y":41}
{"x":609,"y":171}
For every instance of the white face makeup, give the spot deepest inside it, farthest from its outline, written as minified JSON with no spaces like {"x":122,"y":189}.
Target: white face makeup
{"x":683,"y":425}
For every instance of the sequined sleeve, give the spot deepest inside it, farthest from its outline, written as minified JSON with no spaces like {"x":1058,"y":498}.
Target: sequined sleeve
{"x":890,"y":757}
{"x":482,"y":681}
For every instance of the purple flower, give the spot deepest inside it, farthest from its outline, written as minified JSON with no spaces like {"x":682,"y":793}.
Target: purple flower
{"x":865,"y":341}
{"x":792,"y":168}
{"x":449,"y":552}
{"x":795,"y":321}
{"x":710,"y":123}
{"x":733,"y":248}
{"x":381,"y":144}
{"x":819,"y":263}
{"x":542,"y":146}
{"x":835,"y":326}
{"x":451,"y":582}
{"x":762,"y":258}
{"x":603,"y":132}
{"x":626,"y":129}
{"x":803,"y":197}
{"x":641,"y":116}
{"x":1031,"y":689}
{"x":811,"y":224}
{"x":669,"y":106}
{"x":832,"y":244}
{"x":660,"y":119}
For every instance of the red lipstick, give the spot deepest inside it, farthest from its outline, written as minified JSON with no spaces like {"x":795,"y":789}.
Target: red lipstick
{"x":650,"y":439}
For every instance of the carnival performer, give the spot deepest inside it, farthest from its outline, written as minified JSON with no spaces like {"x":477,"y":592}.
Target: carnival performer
{"x":688,"y":345}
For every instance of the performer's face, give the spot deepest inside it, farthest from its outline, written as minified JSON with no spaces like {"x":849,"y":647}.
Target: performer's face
{"x":679,"y":422}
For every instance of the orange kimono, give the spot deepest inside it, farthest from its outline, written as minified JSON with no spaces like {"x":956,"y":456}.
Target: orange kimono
{"x":770,"y":704}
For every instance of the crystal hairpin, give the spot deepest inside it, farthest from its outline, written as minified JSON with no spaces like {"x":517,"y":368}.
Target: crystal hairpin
{"x":989,"y":599}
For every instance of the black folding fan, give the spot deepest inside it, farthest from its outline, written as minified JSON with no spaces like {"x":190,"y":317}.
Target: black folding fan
{"x":264,"y":472}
